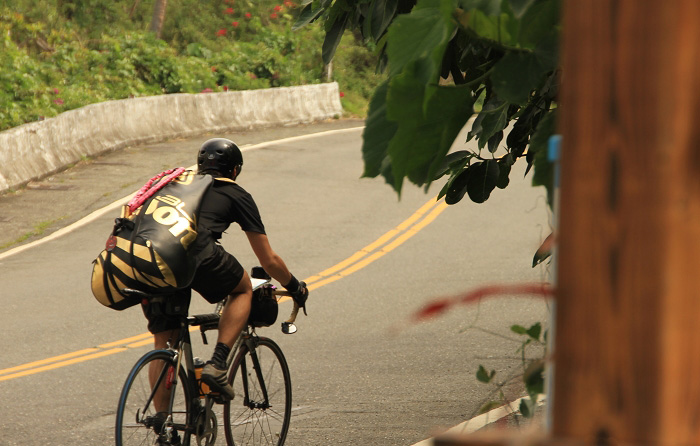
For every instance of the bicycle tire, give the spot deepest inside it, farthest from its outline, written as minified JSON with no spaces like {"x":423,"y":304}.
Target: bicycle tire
{"x":250,"y":425}
{"x":135,"y":395}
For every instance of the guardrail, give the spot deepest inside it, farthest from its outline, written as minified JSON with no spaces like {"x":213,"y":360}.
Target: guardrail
{"x":32,"y":151}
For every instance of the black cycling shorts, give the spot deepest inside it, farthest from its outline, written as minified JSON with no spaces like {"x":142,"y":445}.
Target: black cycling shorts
{"x":217,"y":275}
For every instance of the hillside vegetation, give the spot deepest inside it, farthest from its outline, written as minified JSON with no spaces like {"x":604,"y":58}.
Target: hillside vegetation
{"x":57,"y":55}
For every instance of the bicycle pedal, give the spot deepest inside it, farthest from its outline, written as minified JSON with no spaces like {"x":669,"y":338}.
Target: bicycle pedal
{"x":218,"y":398}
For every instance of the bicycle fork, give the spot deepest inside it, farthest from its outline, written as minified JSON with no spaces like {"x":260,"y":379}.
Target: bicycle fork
{"x":251,"y":344}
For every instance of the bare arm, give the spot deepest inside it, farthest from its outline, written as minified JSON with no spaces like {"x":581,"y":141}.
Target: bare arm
{"x":269,"y":260}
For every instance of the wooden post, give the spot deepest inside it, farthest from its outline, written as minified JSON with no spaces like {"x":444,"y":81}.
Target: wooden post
{"x":628,"y":302}
{"x":627,"y":353}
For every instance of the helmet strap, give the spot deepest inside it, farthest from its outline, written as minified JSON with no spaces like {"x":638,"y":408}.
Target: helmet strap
{"x":236,"y":171}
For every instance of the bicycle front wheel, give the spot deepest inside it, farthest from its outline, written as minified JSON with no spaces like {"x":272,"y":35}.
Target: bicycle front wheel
{"x":251,"y":418}
{"x":146,"y":393}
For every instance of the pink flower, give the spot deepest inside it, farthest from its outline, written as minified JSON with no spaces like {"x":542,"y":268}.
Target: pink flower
{"x":273,"y":15}
{"x":55,"y":91}
{"x":207,"y":90}
{"x":288,"y":4}
{"x":228,"y":11}
{"x":235,"y":24}
{"x":252,"y":76}
{"x":278,"y":8}
{"x":221,"y":32}
{"x":248,"y":15}
{"x":342,"y":95}
{"x":58,"y":101}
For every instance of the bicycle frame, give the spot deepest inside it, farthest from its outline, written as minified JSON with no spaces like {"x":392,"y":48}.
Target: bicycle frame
{"x":182,"y":356}
{"x":182,"y":349}
{"x":179,"y":359}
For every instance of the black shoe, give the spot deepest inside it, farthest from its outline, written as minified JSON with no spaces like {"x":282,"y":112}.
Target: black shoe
{"x":174,"y":441}
{"x":156,"y":421}
{"x":215,"y":378}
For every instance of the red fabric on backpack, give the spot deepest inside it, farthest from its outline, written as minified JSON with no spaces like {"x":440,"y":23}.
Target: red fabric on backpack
{"x":149,"y":189}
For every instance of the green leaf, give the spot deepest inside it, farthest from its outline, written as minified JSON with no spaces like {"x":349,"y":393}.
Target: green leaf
{"x":460,"y":158}
{"x":492,"y":119}
{"x":534,"y":331}
{"x":494,"y":141}
{"x":456,"y":188}
{"x":422,"y":34}
{"x":423,"y":139}
{"x":519,"y":135}
{"x":499,"y":28}
{"x":444,"y":190}
{"x":333,"y":36}
{"x":538,"y":22}
{"x":519,"y":329}
{"x":377,"y":134}
{"x":488,"y":7}
{"x":382,"y":13}
{"x":308,"y":14}
{"x":526,"y":408}
{"x":504,"y":165}
{"x":482,"y":180}
{"x":483,"y":376}
{"x":547,"y":51}
{"x":516,"y":75}
{"x":533,"y":377}
{"x":406,"y":93}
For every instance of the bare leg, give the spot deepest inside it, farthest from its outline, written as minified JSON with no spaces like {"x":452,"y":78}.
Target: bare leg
{"x":236,"y":311}
{"x":162,"y":397}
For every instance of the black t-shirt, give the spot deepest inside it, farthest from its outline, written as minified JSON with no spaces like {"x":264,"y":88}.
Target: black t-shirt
{"x":224,"y":203}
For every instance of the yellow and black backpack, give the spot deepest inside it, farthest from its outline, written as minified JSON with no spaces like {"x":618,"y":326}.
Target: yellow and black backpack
{"x":148,"y":247}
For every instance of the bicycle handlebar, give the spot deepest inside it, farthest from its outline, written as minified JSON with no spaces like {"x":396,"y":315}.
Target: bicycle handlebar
{"x":210,"y":321}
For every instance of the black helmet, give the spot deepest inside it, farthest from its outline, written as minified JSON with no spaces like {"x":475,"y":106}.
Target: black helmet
{"x":220,"y":155}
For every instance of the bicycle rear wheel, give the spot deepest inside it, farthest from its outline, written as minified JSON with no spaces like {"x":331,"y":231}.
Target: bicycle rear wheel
{"x":136,"y":422}
{"x":249,"y":419}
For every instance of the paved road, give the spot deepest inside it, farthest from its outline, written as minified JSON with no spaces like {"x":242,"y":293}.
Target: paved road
{"x":355,"y":380}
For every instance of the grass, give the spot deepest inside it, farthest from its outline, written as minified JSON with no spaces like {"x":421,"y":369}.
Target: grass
{"x":37,"y":231}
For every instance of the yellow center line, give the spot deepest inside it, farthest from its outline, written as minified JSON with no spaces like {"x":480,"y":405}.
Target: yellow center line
{"x":375,"y":250}
{"x":381,"y":241}
{"x":30,"y":365}
{"x":128,"y":340}
{"x":56,"y":365}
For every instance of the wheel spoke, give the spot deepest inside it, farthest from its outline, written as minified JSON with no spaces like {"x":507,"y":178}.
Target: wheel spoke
{"x":137,"y":405}
{"x":253,"y":425}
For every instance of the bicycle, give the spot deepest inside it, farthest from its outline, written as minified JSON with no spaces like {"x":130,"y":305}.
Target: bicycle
{"x":259,"y":413}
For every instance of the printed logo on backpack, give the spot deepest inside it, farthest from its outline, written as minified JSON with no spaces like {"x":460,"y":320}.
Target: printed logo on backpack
{"x":148,"y":248}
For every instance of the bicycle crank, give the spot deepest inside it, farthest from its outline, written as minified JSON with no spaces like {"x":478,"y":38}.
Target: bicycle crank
{"x":206,"y":428}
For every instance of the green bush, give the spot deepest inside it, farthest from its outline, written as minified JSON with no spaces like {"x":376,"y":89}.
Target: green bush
{"x":57,"y":55}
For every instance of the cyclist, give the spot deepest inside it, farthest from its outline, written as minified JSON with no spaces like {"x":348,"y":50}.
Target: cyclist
{"x":218,"y":273}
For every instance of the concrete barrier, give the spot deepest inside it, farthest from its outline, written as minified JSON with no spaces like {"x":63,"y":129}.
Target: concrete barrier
{"x":34,"y":150}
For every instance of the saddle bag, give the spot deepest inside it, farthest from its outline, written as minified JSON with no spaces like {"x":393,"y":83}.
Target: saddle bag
{"x":264,"y":308}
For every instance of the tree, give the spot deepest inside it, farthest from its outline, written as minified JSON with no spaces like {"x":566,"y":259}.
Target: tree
{"x":158,"y":17}
{"x":446,"y":59}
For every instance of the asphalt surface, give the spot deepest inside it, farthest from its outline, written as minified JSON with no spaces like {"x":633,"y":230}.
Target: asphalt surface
{"x":53,"y":202}
{"x":356,"y":381}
